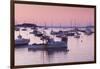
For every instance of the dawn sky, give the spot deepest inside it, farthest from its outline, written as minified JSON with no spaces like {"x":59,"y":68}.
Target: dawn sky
{"x":53,"y":15}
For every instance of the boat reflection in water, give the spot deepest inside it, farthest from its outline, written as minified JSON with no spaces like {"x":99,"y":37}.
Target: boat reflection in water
{"x":47,"y":54}
{"x":49,"y":50}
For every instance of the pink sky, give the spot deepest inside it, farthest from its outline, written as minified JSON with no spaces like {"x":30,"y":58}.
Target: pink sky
{"x":53,"y":15}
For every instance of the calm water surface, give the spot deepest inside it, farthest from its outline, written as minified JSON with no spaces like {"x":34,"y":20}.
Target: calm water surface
{"x":81,"y":49}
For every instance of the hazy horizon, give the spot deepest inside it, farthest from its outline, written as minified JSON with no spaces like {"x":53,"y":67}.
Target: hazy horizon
{"x":53,"y":15}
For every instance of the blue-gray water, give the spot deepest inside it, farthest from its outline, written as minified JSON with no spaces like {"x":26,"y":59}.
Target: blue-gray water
{"x":81,"y":49}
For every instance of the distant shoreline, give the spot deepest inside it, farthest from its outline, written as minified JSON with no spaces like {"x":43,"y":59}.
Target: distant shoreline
{"x":34,"y":25}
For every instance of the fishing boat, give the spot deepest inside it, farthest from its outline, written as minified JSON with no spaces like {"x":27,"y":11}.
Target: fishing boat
{"x":21,"y":41}
{"x":50,"y":44}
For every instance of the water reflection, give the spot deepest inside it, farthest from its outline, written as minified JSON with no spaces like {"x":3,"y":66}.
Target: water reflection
{"x":50,"y":51}
{"x":49,"y":55}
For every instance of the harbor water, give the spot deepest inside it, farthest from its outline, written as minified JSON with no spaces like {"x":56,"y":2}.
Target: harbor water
{"x":79,"y":49}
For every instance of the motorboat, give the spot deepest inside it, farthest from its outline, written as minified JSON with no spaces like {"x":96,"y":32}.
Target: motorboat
{"x":50,"y":44}
{"x":21,"y":41}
